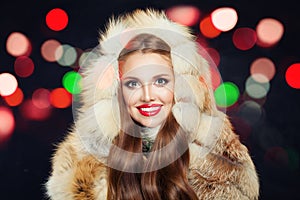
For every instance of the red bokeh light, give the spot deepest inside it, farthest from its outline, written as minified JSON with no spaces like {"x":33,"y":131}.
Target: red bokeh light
{"x":185,"y":15}
{"x":244,"y":38}
{"x":7,"y":123}
{"x":23,"y":66}
{"x":31,"y":112}
{"x":60,"y":98}
{"x":208,"y":29}
{"x":15,"y":99}
{"x":17,"y":44}
{"x":57,"y":19}
{"x":292,"y":76}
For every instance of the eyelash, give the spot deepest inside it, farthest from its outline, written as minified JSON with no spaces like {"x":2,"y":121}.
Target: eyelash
{"x":158,"y":83}
{"x":129,"y":84}
{"x":165,"y":82}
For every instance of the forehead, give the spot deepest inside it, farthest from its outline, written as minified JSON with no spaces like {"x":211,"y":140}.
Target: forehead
{"x":146,"y":63}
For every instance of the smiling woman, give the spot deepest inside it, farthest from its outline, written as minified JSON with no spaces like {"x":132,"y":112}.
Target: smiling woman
{"x":153,"y":132}
{"x":147,"y":82}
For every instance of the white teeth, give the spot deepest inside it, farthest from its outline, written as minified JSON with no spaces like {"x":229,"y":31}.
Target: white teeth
{"x":150,"y":109}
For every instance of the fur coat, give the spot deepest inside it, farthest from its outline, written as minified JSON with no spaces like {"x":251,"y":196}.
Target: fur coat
{"x":220,"y":165}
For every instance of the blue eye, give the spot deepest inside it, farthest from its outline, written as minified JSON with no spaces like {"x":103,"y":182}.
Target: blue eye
{"x":133,"y":84}
{"x":161,"y":82}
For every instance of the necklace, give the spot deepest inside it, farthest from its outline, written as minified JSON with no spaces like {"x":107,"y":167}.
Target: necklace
{"x":147,"y":144}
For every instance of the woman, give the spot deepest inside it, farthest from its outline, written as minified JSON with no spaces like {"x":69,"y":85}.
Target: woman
{"x":148,"y":127}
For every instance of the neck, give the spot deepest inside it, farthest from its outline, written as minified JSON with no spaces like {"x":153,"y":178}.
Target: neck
{"x":151,"y":133}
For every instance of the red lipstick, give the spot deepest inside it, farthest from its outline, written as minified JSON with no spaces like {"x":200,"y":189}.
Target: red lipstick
{"x":149,"y":110}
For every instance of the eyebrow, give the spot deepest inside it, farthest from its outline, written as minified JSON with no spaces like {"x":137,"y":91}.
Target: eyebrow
{"x":135,"y":78}
{"x":160,"y":75}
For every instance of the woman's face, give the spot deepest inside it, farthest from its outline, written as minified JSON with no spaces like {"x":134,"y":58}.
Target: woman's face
{"x":147,"y":86}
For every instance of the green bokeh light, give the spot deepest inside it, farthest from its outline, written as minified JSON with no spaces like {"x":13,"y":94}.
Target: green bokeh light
{"x":71,"y":82}
{"x":226,"y":94}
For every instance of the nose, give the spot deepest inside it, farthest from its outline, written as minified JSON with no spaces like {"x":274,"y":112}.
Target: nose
{"x":147,"y":95}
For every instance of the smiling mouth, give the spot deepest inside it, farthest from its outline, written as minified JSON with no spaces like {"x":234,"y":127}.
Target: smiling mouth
{"x":149,"y":110}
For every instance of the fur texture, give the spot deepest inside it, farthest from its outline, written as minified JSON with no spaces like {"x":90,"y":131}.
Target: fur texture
{"x":220,"y":166}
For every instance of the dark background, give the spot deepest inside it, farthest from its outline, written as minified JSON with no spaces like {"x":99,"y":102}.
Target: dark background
{"x":273,"y":142}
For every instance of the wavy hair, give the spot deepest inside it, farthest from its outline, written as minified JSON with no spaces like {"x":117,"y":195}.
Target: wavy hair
{"x":169,"y":182}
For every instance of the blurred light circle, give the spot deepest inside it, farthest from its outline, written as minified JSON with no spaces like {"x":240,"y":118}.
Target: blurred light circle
{"x":66,"y":55}
{"x":85,"y":57}
{"x":41,"y":98}
{"x":32,"y":112}
{"x":7,"y":123}
{"x":292,"y":76}
{"x":257,"y":89}
{"x":17,"y":44}
{"x":208,"y":29}
{"x":250,"y":111}
{"x":215,"y":77}
{"x":226,"y":94}
{"x":107,"y":78}
{"x":185,"y":15}
{"x":15,"y":98}
{"x":57,"y":19}
{"x":23,"y":66}
{"x":213,"y":55}
{"x":293,"y":158}
{"x":8,"y":84}
{"x":224,"y":18}
{"x":48,"y":50}
{"x":277,"y":156}
{"x":60,"y":98}
{"x":71,"y":82}
{"x":269,"y":32}
{"x":263,"y":66}
{"x":244,"y":38}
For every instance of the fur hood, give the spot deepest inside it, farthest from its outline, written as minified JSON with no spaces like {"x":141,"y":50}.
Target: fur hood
{"x":97,"y":119}
{"x":220,"y":166}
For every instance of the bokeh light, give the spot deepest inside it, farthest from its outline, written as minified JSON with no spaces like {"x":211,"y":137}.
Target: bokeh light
{"x":60,"y":98}
{"x":269,"y":32}
{"x":244,"y":38}
{"x":276,"y":156}
{"x":251,"y":112}
{"x":211,"y":55}
{"x":224,"y":18}
{"x":257,"y":89}
{"x":292,"y":75}
{"x":264,"y":66}
{"x":214,"y":56}
{"x":86,"y":57}
{"x":8,"y":84}
{"x":106,"y":80}
{"x":23,"y":66}
{"x":293,"y":156}
{"x":72,"y":82}
{"x":66,"y":55}
{"x":41,"y":98}
{"x":185,"y":15}
{"x":48,"y":50}
{"x":15,"y":98}
{"x":215,"y":77}
{"x":7,"y":123}
{"x":208,"y":29}
{"x":57,"y":19}
{"x":31,"y":112}
{"x":17,"y":44}
{"x":226,"y":94}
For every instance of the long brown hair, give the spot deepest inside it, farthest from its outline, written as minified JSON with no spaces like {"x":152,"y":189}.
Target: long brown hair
{"x":170,"y":182}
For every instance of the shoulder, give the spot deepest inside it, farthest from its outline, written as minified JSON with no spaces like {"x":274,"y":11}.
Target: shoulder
{"x":224,"y":170}
{"x":75,"y":174}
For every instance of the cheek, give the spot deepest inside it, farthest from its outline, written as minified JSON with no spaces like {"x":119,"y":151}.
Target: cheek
{"x":167,"y":96}
{"x":129,"y":96}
